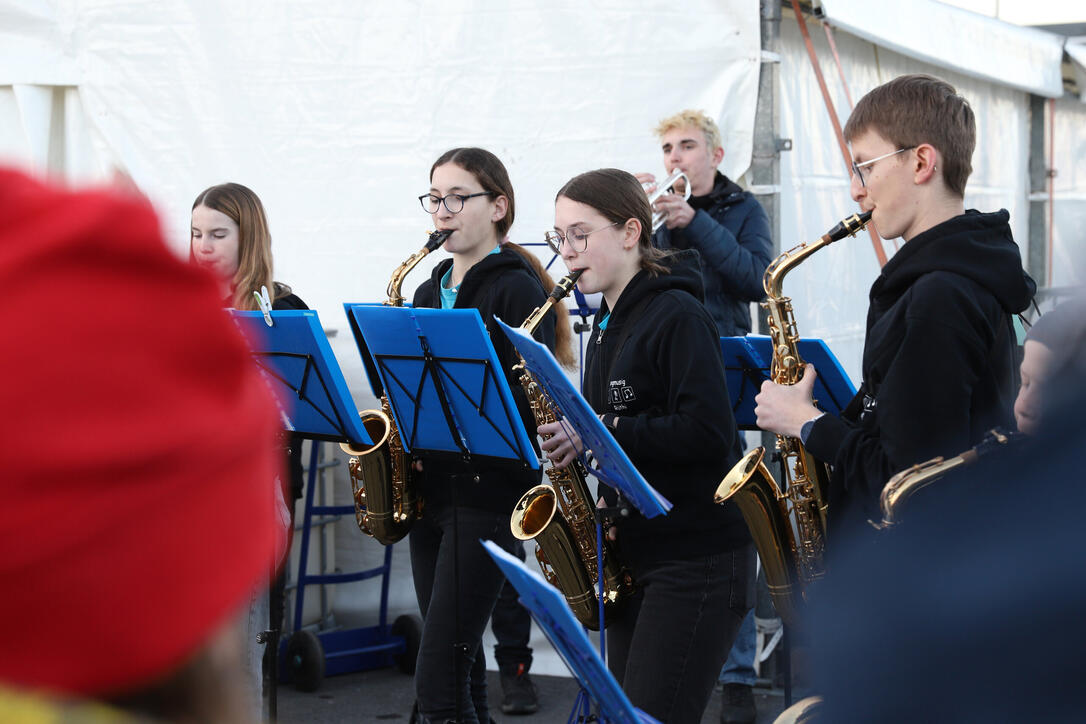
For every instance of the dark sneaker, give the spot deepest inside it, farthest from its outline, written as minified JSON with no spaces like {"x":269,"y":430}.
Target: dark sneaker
{"x":520,"y":695}
{"x":737,"y":705}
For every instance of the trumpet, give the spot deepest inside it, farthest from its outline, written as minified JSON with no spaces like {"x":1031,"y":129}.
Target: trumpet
{"x":667,"y":186}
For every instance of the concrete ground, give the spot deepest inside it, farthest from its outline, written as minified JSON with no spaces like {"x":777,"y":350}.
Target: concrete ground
{"x":386,"y":695}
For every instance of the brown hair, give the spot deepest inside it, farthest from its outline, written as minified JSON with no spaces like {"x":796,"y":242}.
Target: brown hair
{"x":254,"y":241}
{"x":915,"y":109}
{"x":563,"y":334}
{"x":619,"y":197}
{"x":490,"y":172}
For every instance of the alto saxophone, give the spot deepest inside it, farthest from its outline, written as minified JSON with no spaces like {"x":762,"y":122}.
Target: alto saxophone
{"x":561,"y":517}
{"x":789,"y":527}
{"x":902,"y":486}
{"x":385,"y":503}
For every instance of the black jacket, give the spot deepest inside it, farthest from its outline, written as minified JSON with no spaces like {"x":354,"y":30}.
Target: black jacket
{"x":939,"y":361}
{"x":730,"y":231}
{"x":665,"y":397}
{"x":502,"y":285}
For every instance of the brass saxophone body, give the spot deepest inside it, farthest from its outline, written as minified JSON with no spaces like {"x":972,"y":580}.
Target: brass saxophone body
{"x":561,"y":516}
{"x":385,"y":502}
{"x":788,"y":525}
{"x":902,"y":486}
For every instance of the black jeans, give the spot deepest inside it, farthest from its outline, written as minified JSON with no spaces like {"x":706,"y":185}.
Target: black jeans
{"x":512,"y":627}
{"x":668,"y":646}
{"x":456,"y":583}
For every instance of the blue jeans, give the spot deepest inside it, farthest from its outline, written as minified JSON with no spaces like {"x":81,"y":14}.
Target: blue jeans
{"x":456,"y":583}
{"x":739,"y":668}
{"x":666,"y":648}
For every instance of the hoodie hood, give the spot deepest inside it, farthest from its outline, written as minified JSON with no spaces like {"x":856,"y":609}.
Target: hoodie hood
{"x":975,"y":245}
{"x":504,"y":261}
{"x":684,"y":273}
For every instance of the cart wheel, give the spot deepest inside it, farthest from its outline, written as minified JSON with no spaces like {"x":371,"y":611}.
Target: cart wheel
{"x":410,"y":628}
{"x":305,"y":660}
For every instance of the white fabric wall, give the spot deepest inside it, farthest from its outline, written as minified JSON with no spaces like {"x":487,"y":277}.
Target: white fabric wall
{"x":1069,"y":186}
{"x":830,"y":289}
{"x":333,"y":111}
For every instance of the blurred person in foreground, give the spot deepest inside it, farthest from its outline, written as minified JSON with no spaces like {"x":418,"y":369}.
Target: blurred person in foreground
{"x":139,"y":442}
{"x":1053,"y":345}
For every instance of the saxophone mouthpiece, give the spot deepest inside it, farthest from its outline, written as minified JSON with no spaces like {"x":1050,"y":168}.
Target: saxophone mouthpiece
{"x":437,"y":238}
{"x":565,"y":285}
{"x":848,"y":226}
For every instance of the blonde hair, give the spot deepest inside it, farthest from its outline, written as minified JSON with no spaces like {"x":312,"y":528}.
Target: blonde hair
{"x":694,"y":119}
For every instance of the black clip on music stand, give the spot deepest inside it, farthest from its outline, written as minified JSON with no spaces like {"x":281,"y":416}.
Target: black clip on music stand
{"x":292,"y":350}
{"x":609,"y":463}
{"x":448,"y":393}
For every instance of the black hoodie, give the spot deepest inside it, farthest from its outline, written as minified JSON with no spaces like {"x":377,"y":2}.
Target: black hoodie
{"x":939,"y":362}
{"x":502,"y":285}
{"x":665,"y":397}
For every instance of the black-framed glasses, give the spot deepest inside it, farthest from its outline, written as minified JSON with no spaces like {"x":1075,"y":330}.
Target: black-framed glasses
{"x":857,"y":166}
{"x":577,"y":239}
{"x":453,"y":202}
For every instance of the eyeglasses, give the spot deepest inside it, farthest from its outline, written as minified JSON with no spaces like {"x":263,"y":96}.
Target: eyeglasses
{"x":857,"y":166}
{"x":453,"y":202}
{"x":577,"y":239}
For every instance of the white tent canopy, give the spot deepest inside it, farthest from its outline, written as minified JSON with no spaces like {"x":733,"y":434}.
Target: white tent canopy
{"x":950,"y":38}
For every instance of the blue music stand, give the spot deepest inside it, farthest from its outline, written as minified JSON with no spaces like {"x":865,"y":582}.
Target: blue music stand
{"x":612,"y":464}
{"x":550,"y":611}
{"x":298,"y":362}
{"x":747,"y":365}
{"x":292,"y":350}
{"x":446,"y":388}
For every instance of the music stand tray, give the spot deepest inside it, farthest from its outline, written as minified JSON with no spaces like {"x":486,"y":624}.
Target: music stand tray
{"x":747,"y":364}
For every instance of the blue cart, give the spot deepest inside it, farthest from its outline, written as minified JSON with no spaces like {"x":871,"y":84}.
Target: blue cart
{"x":307,"y":656}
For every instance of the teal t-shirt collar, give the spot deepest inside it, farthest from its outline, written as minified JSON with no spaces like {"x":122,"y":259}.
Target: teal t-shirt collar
{"x":448,"y":296}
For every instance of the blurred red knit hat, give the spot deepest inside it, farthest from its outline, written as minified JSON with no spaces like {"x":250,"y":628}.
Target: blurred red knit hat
{"x":138,"y":447}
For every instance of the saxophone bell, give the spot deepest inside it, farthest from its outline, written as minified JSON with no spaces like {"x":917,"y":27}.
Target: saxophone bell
{"x":561,"y":517}
{"x":787,"y":522}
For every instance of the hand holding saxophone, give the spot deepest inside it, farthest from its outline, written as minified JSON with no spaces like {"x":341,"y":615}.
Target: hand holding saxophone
{"x":561,"y":443}
{"x":783,"y":409}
